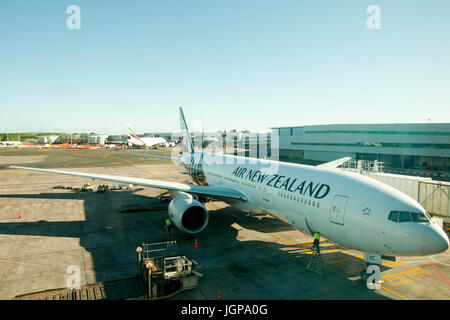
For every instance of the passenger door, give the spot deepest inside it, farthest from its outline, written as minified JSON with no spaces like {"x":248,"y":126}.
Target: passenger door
{"x":337,"y":211}
{"x":267,"y":199}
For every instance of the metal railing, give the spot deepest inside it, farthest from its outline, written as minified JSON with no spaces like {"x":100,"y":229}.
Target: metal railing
{"x":149,"y":250}
{"x":367,"y":166}
{"x":176,"y":266}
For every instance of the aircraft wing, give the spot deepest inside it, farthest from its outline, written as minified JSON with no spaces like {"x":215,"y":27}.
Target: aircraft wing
{"x":334,"y":163}
{"x":220,"y":193}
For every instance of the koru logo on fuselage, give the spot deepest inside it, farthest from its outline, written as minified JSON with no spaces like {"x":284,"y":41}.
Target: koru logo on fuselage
{"x":316,"y":190}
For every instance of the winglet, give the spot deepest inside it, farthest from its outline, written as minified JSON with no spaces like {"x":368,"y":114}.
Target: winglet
{"x":334,"y":163}
{"x":185,"y":131}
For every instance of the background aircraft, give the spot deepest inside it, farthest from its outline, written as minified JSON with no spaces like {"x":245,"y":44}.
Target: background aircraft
{"x":10,"y":143}
{"x":146,"y":142}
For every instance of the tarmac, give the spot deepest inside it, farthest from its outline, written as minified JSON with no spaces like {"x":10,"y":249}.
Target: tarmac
{"x":44,"y":231}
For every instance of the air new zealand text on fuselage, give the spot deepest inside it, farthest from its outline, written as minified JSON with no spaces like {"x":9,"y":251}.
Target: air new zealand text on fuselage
{"x":294,"y":185}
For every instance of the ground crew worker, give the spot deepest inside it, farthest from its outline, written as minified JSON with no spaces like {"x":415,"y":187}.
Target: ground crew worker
{"x":169,"y":225}
{"x":316,"y":241}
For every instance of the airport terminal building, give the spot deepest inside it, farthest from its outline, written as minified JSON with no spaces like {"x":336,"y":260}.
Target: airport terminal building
{"x":423,"y":146}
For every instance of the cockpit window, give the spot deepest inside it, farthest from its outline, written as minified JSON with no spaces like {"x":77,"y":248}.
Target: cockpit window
{"x":403,"y":216}
{"x":418,"y":217}
{"x":393,"y":216}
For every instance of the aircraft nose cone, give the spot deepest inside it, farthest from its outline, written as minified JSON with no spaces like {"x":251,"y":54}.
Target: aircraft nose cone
{"x":434,"y":241}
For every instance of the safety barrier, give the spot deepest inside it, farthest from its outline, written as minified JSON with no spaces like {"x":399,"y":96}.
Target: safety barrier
{"x":418,"y":173}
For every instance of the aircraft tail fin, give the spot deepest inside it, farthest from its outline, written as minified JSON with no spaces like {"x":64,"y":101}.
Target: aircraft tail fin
{"x":133,"y":135}
{"x":185,"y":131}
{"x":131,"y":131}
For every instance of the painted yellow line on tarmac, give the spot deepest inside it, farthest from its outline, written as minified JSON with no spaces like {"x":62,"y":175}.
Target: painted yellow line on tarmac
{"x":391,"y":262}
{"x":135,"y":165}
{"x":81,"y":155}
{"x":213,"y":205}
{"x":259,"y":228}
{"x":340,"y":267}
{"x":340,"y":260}
{"x":299,"y":243}
{"x":287,"y":241}
{"x":272,"y":234}
{"x":394,"y":293}
{"x":399,"y":273}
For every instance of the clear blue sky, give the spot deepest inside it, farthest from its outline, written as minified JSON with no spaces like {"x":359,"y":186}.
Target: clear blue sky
{"x":244,"y":64}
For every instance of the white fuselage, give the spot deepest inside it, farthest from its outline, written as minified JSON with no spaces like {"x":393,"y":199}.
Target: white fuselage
{"x":346,"y":208}
{"x":10,"y":143}
{"x":147,"y":142}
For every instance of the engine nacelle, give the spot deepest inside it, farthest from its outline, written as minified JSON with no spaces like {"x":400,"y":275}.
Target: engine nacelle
{"x":187,"y":214}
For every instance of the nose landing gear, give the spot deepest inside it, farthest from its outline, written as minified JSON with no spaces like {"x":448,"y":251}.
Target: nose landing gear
{"x":371,"y":275}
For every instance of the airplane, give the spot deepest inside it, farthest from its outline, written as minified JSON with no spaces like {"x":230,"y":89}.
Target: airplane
{"x":347,"y":208}
{"x":147,"y":142}
{"x":11,"y":143}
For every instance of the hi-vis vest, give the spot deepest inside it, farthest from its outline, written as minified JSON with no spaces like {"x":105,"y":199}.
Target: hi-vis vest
{"x":317,"y":236}
{"x":168,"y":222}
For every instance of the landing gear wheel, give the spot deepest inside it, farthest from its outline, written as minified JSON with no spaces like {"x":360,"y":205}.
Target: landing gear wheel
{"x":364,"y":276}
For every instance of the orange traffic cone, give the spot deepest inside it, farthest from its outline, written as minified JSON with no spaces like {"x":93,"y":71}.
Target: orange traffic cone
{"x":20,"y":217}
{"x":219,"y":295}
{"x":196,"y":243}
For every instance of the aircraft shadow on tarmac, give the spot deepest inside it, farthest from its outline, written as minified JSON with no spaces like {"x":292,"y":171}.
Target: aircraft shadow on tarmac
{"x":239,"y":267}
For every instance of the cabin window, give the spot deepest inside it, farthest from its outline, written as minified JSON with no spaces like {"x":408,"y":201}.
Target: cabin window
{"x":318,"y":204}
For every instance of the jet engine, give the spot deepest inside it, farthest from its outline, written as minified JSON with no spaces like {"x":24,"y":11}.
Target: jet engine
{"x":187,"y":214}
